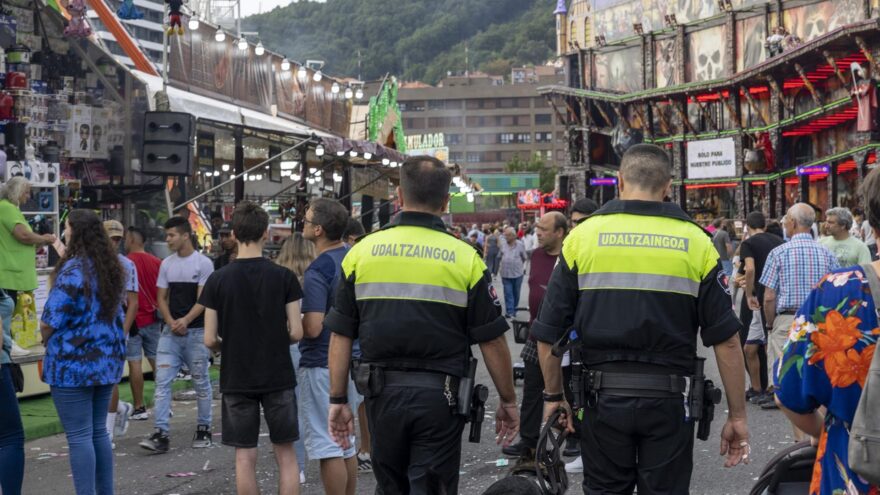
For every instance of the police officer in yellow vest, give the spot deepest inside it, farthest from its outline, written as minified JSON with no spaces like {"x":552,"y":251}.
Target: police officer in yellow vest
{"x":639,"y":281}
{"x":417,"y":298}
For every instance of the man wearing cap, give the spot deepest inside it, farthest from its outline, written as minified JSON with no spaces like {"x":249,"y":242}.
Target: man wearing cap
{"x":227,"y":244}
{"x":117,"y":424}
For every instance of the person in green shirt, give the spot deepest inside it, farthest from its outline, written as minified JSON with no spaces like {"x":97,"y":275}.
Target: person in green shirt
{"x":18,"y":271}
{"x":849,"y":250}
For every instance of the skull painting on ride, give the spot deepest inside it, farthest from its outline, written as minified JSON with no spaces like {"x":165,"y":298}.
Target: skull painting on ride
{"x":619,"y":70}
{"x":811,"y":21}
{"x":707,"y":58}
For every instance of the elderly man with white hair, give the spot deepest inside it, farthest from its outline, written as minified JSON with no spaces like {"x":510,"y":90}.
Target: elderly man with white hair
{"x":849,"y":250}
{"x":790,"y":273}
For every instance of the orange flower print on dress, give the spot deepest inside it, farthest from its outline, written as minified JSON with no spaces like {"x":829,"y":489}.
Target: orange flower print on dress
{"x":836,"y":334}
{"x":846,"y":368}
{"x":816,"y":482}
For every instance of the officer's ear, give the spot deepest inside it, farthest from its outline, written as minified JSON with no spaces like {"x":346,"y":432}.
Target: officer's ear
{"x":668,"y":190}
{"x":399,"y":196}
{"x":445,"y":204}
{"x":620,"y":184}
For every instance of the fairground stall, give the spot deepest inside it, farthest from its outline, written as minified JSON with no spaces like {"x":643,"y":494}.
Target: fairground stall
{"x":760,"y":104}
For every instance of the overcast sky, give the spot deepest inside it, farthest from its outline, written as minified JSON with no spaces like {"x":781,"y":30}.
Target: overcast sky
{"x":250,"y":7}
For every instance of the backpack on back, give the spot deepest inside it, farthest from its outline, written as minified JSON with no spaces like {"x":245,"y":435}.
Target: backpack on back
{"x":864,"y":433}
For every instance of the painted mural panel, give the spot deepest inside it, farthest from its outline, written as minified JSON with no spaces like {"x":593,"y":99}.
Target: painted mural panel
{"x":692,"y":10}
{"x":811,"y":21}
{"x":619,"y":70}
{"x":750,"y":38}
{"x":664,"y":62}
{"x":707,"y":57}
{"x":615,"y":21}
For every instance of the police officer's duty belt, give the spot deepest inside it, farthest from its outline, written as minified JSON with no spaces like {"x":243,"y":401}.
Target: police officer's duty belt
{"x":422,"y":379}
{"x":630,"y":383}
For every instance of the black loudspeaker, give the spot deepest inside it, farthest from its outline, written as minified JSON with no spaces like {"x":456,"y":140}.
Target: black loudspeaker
{"x":168,"y":138}
{"x":564,"y":190}
{"x":384,"y":212}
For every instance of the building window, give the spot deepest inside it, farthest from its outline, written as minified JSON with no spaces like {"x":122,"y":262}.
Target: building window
{"x":455,"y":156}
{"x":414,"y":123}
{"x":543,"y":119}
{"x":476,"y":121}
{"x":434,"y":122}
{"x":444,"y":104}
{"x":543,"y":137}
{"x":452,"y":139}
{"x":473,"y":157}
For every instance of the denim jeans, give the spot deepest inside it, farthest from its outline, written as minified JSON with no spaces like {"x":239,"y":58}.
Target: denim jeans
{"x":7,"y":307}
{"x":175,"y":351}
{"x":299,"y":445}
{"x":727,"y":266}
{"x":512,"y":291}
{"x":11,"y":437}
{"x":83,"y":414}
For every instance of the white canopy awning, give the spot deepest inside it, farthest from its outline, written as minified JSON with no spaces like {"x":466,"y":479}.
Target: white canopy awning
{"x":202,"y":107}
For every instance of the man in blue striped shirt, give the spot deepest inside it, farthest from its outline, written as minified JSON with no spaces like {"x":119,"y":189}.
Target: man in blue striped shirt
{"x":791,"y":271}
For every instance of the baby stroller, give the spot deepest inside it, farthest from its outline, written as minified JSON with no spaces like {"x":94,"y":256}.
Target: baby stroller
{"x":788,"y":473}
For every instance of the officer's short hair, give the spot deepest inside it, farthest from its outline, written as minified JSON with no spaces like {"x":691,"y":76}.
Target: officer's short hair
{"x":756,"y":220}
{"x":424,"y":181}
{"x":843,"y":217}
{"x":249,"y":222}
{"x":331,"y":216}
{"x":647,"y":167}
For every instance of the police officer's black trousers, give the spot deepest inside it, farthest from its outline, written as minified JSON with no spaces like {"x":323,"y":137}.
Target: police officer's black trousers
{"x":416,"y":441}
{"x":629,"y":441}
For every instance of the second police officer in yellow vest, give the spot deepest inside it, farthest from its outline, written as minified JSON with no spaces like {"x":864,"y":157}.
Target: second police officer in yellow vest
{"x":417,"y":298}
{"x":639,"y":281}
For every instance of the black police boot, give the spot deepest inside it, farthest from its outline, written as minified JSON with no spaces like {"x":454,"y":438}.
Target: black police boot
{"x":572,"y":447}
{"x":517,"y":449}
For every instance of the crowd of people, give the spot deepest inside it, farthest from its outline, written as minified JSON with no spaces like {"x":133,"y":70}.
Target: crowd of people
{"x":801,"y":288}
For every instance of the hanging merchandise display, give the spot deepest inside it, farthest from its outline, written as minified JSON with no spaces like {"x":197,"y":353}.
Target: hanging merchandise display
{"x":175,"y":25}
{"x":78,"y":26}
{"x":128,"y":11}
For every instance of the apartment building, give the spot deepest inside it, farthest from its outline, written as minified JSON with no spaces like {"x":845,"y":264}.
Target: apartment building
{"x":147,"y":32}
{"x":487,"y":121}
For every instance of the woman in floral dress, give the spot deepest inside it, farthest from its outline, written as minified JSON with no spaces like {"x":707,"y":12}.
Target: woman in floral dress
{"x":826,"y":361}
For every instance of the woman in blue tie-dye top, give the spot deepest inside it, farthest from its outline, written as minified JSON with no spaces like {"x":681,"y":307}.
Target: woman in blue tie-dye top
{"x":85,"y":347}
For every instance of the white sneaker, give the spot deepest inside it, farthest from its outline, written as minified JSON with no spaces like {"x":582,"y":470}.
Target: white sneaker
{"x":575,"y":466}
{"x":123,"y":414}
{"x":18,"y":351}
{"x":302,"y":478}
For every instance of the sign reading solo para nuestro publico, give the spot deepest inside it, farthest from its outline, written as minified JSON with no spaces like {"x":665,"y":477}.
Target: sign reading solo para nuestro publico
{"x":711,"y":159}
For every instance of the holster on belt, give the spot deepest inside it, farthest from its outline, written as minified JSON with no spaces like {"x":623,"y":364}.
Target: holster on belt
{"x":369,"y":379}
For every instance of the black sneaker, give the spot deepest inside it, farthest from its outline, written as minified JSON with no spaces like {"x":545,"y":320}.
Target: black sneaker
{"x":515,"y":450}
{"x":572,"y":447}
{"x":140,"y":414}
{"x":203,"y":438}
{"x":752,"y":393}
{"x":158,"y":442}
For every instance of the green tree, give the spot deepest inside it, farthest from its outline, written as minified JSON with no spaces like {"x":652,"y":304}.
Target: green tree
{"x":535,"y":165}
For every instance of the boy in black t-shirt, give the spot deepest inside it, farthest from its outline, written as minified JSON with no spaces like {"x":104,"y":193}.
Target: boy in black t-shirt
{"x":252,"y":315}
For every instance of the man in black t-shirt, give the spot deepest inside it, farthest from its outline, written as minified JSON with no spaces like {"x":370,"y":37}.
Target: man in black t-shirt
{"x":252,"y":315}
{"x":754,"y":252}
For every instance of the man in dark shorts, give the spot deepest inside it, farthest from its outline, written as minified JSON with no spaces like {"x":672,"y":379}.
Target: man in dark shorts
{"x":257,"y":369}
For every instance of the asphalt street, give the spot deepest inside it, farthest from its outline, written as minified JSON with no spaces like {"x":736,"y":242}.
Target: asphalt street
{"x":211,"y":471}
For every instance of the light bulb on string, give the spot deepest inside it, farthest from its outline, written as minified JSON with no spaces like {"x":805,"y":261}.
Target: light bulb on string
{"x":367,"y":155}
{"x":318,"y":76}
{"x":349,"y":93}
{"x":260,"y":49}
{"x":385,"y":161}
{"x":220,"y":36}
{"x":285,"y":64}
{"x":335,"y":88}
{"x":302,"y":72}
{"x":242,"y":44}
{"x":225,"y":167}
{"x":359,"y":94}
{"x":352,"y":153}
{"x":193,"y":23}
{"x":319,"y":150}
